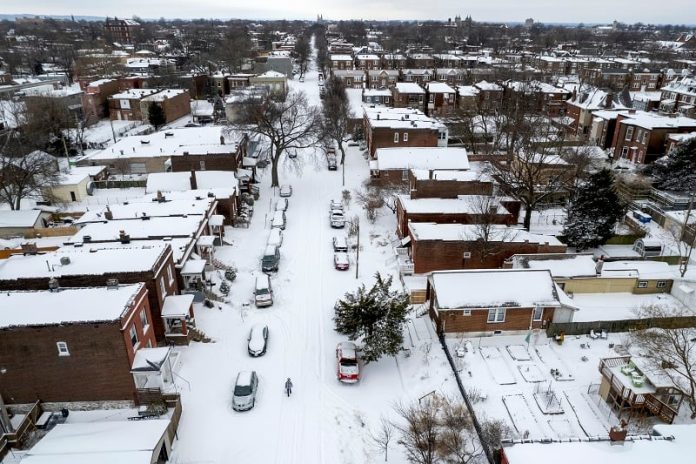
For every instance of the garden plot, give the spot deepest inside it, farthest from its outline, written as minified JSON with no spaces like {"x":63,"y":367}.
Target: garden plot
{"x":519,"y":352}
{"x":531,"y":373}
{"x":591,"y":420}
{"x":564,"y":428}
{"x":549,"y":357}
{"x":549,"y":402}
{"x":497,"y":366}
{"x":523,"y":417}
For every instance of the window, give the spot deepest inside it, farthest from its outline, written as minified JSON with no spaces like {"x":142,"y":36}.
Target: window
{"x":163,"y":289}
{"x":642,"y":284}
{"x":496,"y":315}
{"x":629,"y":133}
{"x":466,"y":312}
{"x":645,"y":138}
{"x":133,"y":336}
{"x":62,"y":349}
{"x":396,"y":137}
{"x":661,"y":283}
{"x":404,"y":175}
{"x":624,"y":152}
{"x":404,"y":137}
{"x":538,"y":313}
{"x":170,"y":275}
{"x":143,"y":319}
{"x":202,"y":165}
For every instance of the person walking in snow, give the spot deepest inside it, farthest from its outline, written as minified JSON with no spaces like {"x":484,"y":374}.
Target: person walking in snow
{"x":288,"y":387}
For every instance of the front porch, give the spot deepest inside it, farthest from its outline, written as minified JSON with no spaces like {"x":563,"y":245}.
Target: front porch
{"x":177,"y":314}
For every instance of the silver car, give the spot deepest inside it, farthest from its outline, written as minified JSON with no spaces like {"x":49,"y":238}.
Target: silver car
{"x":258,"y":340}
{"x":244,"y":395}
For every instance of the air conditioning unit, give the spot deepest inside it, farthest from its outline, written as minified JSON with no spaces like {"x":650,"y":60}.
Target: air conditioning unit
{"x":64,"y":260}
{"x":466,"y":255}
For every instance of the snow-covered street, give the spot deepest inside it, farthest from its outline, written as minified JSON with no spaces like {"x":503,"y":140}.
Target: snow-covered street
{"x":324,"y":420}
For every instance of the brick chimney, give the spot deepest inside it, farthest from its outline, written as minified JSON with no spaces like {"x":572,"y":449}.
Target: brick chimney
{"x":609,"y":100}
{"x":618,"y":432}
{"x":108,"y":214}
{"x":194,"y":183}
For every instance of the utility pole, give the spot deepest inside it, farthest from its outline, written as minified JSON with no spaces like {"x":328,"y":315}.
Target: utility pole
{"x":113,"y":132}
{"x":357,"y":250}
{"x":684,"y":262}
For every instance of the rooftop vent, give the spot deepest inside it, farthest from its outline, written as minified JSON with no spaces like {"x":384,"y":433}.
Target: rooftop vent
{"x":87,"y":238}
{"x":64,"y":260}
{"x":112,"y":284}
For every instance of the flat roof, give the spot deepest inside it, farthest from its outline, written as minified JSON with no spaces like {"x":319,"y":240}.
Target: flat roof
{"x":68,"y":305}
{"x":181,"y":181}
{"x":572,"y":266}
{"x":470,"y":232}
{"x":147,"y":208}
{"x":422,"y":158}
{"x":464,"y":204}
{"x":169,"y":226}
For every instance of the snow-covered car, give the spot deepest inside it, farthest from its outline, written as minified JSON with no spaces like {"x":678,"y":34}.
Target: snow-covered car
{"x":332,"y":163}
{"x":244,"y":393}
{"x":336,"y":205}
{"x":341,"y":261}
{"x":302,"y":79}
{"x":285,"y":190}
{"x":337,"y":219}
{"x":347,"y":368}
{"x":340,"y":244}
{"x":258,"y":340}
{"x":281,"y":204}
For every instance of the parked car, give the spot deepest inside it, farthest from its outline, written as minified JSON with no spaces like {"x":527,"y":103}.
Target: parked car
{"x":347,"y":368}
{"x":337,"y":219}
{"x":341,"y":261}
{"x":292,"y":154}
{"x":275,"y":238}
{"x":335,"y":204}
{"x":278,"y":221}
{"x":244,"y":394}
{"x":263,"y":293}
{"x":302,"y":79}
{"x":258,"y":340}
{"x":281,"y":204}
{"x":286,"y":191}
{"x":332,"y":163}
{"x":270,"y":259}
{"x":340,"y":244}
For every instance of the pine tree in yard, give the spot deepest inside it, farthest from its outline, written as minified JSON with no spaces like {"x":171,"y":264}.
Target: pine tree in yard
{"x":594,"y":212}
{"x":375,"y":316}
{"x":156,"y":116}
{"x":676,"y":172}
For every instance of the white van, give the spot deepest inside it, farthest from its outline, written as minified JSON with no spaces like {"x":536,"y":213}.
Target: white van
{"x":275,"y":238}
{"x":278,"y":220}
{"x":263,"y":293}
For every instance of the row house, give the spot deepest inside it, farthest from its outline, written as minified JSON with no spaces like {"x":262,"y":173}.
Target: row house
{"x":95,"y":97}
{"x":393,"y":61}
{"x":680,"y":96}
{"x":80,"y":267}
{"x":641,"y":137}
{"x":175,"y":104}
{"x":409,"y":95}
{"x":548,"y":99}
{"x":352,"y":78}
{"x":420,"y":60}
{"x":340,"y":47}
{"x":620,"y":78}
{"x":442,"y":247}
{"x":490,"y":94}
{"x":449,"y":183}
{"x":125,"y":106}
{"x":392,"y":165}
{"x":377,"y":97}
{"x":468,"y":98}
{"x":382,"y":78}
{"x":419,"y":76}
{"x":451,"y":76}
{"x":441,"y":98}
{"x":238,"y":81}
{"x":401,"y":127}
{"x":580,"y":107}
{"x":73,"y":344}
{"x":447,"y":60}
{"x":340,"y":62}
{"x":367,"y":61}
{"x":488,"y":302}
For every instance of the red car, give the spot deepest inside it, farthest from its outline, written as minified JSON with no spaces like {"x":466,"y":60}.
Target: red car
{"x":348,"y":370}
{"x":341,"y":261}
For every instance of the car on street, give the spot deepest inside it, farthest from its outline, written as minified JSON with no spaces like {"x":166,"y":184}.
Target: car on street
{"x":281,"y":204}
{"x":279,"y":220}
{"x":258,"y":340}
{"x":285,"y":191}
{"x":340,"y":244}
{"x":347,"y":368}
{"x":331,"y":162}
{"x":335,"y":205}
{"x":244,"y":393}
{"x":341,"y":261}
{"x":337,"y":219}
{"x":263,"y":292}
{"x":275,"y":237}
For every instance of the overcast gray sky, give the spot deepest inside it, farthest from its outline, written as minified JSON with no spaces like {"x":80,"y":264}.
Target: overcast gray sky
{"x":571,"y":11}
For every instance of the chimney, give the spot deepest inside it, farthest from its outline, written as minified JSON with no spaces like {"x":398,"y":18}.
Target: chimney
{"x":123,"y":237}
{"x":194,"y":183}
{"x":160,"y":198}
{"x":108,"y":214}
{"x":222,"y":139}
{"x":609,"y":100}
{"x":599,"y":265}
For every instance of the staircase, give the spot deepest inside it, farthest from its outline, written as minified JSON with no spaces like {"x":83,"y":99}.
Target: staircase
{"x":197,"y":335}
{"x":422,"y":309}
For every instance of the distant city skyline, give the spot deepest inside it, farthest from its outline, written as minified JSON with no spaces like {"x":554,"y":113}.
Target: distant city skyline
{"x":549,"y":11}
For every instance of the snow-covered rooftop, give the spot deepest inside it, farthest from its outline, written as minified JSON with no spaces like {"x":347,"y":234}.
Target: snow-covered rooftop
{"x":409,"y":87}
{"x":155,"y":227}
{"x":131,"y":94}
{"x":400,"y":118}
{"x":559,"y":266}
{"x":149,"y":209}
{"x":439,"y":87}
{"x":177,"y":305}
{"x":462,"y":175}
{"x":69,"y":305}
{"x":422,"y":158}
{"x":19,"y":218}
{"x":464,"y":204}
{"x":470,"y":232}
{"x":640,"y":269}
{"x":78,"y":174}
{"x":164,"y":95}
{"x":83,"y":261}
{"x":491,"y":288}
{"x":653,"y":120}
{"x":181,"y":181}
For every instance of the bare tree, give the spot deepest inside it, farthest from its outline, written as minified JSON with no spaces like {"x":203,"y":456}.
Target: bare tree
{"x":488,"y":234}
{"x":419,"y":431}
{"x":302,"y":53}
{"x":288,"y":122}
{"x":458,"y":443}
{"x":25,"y":176}
{"x":383,"y":436}
{"x":671,"y":352}
{"x":336,"y":116}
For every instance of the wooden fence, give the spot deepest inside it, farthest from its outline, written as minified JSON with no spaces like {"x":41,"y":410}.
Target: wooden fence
{"x":4,"y":447}
{"x":623,"y":325}
{"x":117,"y":184}
{"x":52,"y":232}
{"x":27,"y":425}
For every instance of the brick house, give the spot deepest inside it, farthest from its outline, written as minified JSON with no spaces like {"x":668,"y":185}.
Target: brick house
{"x":680,"y":95}
{"x":486,"y":302}
{"x":579,"y":108}
{"x":377,"y":97}
{"x":441,"y":247}
{"x":490,"y":94}
{"x":465,"y":209}
{"x":547,"y":98}
{"x":393,"y":61}
{"x":175,"y":103}
{"x":382,"y":78}
{"x":352,"y":78}
{"x":450,"y":76}
{"x":420,"y":60}
{"x":641,"y":137}
{"x":82,"y":267}
{"x":468,"y":98}
{"x":121,"y":30}
{"x":95,"y":99}
{"x":73,"y":344}
{"x":409,"y":95}
{"x":337,"y":62}
{"x":392,"y":165}
{"x":367,"y":61}
{"x":419,"y":76}
{"x":435,"y":183}
{"x":401,"y":127}
{"x":441,"y":99}
{"x":125,"y":106}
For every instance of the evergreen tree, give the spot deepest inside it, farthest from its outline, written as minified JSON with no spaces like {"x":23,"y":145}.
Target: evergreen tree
{"x":155,"y":115}
{"x":375,"y":316}
{"x":677,"y":172}
{"x":594,"y":212}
